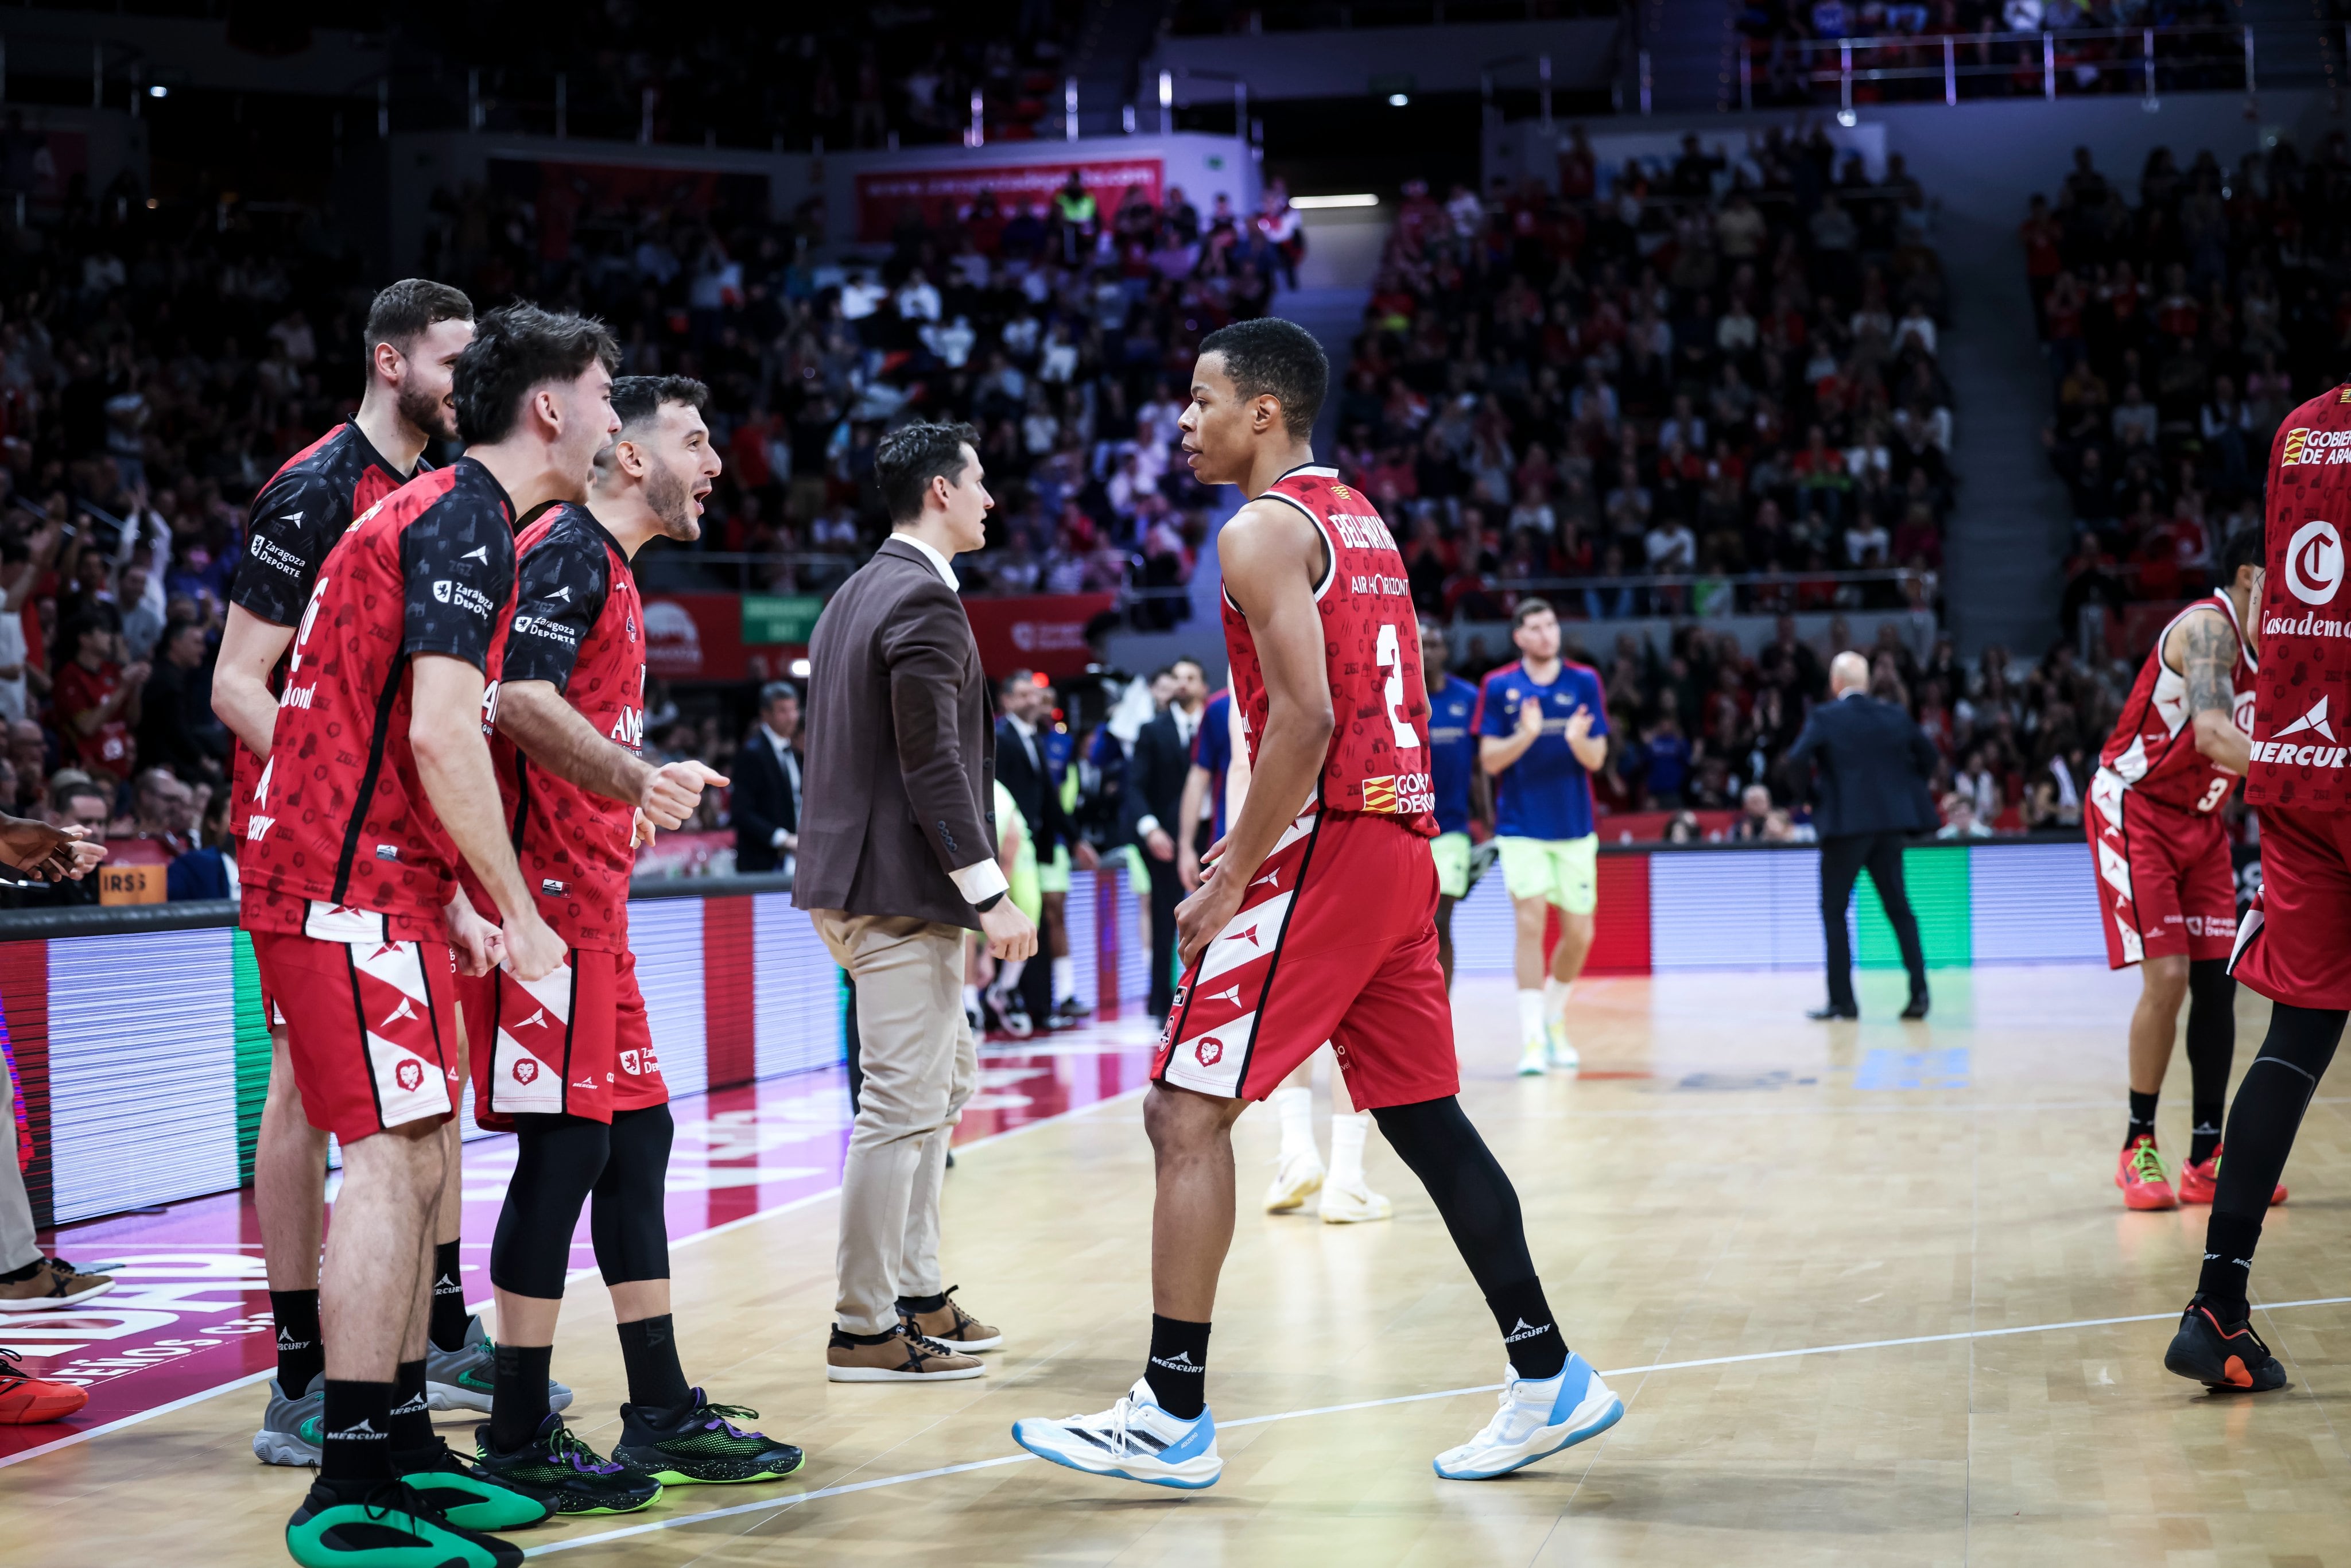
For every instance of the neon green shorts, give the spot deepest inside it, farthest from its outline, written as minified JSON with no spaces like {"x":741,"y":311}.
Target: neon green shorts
{"x":1452,"y":852}
{"x":1053,"y":876}
{"x":1565,"y":871}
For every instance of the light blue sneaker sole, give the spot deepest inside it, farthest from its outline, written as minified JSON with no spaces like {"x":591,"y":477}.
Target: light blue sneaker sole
{"x":1114,"y":1473}
{"x":1614,"y":1414}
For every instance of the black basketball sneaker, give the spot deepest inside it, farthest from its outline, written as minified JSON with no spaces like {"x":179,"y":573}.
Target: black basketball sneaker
{"x":701,"y":1444}
{"x":2221,"y":1355}
{"x":567,"y":1472}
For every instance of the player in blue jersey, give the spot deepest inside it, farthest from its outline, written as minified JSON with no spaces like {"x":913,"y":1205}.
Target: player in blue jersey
{"x":1460,"y":784}
{"x":1542,"y":729}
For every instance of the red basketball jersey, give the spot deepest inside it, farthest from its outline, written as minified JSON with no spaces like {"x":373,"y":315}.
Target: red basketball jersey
{"x":2299,"y":731}
{"x":1379,"y":757}
{"x":2152,"y":751}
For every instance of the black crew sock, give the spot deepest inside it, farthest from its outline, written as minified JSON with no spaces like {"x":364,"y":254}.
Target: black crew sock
{"x":1178,"y":1368}
{"x":300,"y":1356}
{"x":1537,"y":1349}
{"x":412,"y":1418}
{"x":2228,"y":1243}
{"x":356,"y":1447}
{"x":2142,"y":1118}
{"x":921,"y":1304}
{"x":2212,"y":1045}
{"x":518,"y":1395}
{"x":2206,"y":1137}
{"x":449,"y":1315}
{"x":649,"y":1352}
{"x":18,"y":1276}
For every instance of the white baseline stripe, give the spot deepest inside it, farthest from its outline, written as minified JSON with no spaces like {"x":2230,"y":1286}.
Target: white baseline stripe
{"x":780,"y":1504}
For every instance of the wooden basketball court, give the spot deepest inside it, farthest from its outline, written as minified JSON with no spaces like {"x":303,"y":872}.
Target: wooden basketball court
{"x":1868,"y":1291}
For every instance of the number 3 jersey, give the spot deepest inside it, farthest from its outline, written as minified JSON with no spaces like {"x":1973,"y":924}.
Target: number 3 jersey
{"x":1378,"y":762}
{"x":2152,"y":751}
{"x":579,"y":625}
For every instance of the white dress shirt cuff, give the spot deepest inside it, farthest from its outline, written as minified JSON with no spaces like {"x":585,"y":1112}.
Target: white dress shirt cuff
{"x":1146,"y":826}
{"x":776,"y":839}
{"x":980,"y":881}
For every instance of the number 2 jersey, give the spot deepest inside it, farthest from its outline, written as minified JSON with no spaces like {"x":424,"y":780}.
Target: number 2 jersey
{"x":2152,"y":751}
{"x":1378,"y":763}
{"x":339,"y":819}
{"x":577,"y":624}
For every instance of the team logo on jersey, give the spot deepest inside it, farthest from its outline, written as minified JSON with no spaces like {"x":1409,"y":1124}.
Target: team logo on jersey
{"x":1230,"y":994}
{"x":1208,"y":1049}
{"x":537,"y":1019}
{"x":1380,"y":794}
{"x":478,"y":553}
{"x":406,"y":1009}
{"x":2314,"y":563}
{"x":2313,"y":722}
{"x":409,"y":1074}
{"x":629,"y":1064}
{"x":2290,"y":753}
{"x":525,"y":1070}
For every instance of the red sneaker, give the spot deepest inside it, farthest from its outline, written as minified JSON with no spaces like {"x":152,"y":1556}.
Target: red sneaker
{"x":2197,"y":1182}
{"x":26,"y":1400}
{"x":2141,"y":1175}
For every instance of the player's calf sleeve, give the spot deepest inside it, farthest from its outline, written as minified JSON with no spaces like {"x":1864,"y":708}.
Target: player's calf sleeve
{"x":557,"y":1162}
{"x":2211,"y":1048}
{"x":2262,"y":1128}
{"x":628,"y":1224}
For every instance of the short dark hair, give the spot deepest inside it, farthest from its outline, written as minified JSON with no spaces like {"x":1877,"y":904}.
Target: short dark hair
{"x":515,"y":348}
{"x":405,"y":311}
{"x":775,"y":692}
{"x":1531,"y":605}
{"x":637,"y":399}
{"x":1270,"y":355}
{"x":2249,"y":546}
{"x":1015,"y":680}
{"x":907,"y":459}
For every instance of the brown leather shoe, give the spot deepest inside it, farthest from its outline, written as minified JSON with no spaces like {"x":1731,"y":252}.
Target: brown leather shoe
{"x":901,"y":1358}
{"x":951,"y":1325}
{"x":54,"y":1283}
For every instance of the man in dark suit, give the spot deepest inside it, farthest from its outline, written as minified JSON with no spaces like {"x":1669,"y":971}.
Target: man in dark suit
{"x":1027,"y":775}
{"x":766,"y":798}
{"x":1873,"y":765}
{"x":1155,"y":774}
{"x":897,"y":861}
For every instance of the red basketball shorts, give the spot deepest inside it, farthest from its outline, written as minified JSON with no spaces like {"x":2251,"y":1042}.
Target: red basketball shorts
{"x":371,"y":1025}
{"x":2296,"y":935}
{"x":2164,"y":874}
{"x":1336,"y":940}
{"x":576,"y":1043}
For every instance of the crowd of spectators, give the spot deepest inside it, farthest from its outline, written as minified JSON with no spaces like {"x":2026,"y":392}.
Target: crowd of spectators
{"x":2180,"y":329}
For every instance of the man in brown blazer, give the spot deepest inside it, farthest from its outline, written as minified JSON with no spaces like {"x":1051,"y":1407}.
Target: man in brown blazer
{"x":897,"y":860}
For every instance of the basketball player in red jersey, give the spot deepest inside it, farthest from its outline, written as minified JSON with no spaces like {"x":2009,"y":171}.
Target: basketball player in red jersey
{"x":416,"y":331}
{"x":379,"y":780}
{"x":2178,"y":748}
{"x":1315,"y":921}
{"x":568,"y":1061}
{"x":2290,"y":945}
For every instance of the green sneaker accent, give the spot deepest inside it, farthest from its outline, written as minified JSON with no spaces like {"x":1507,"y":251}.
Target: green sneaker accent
{"x":391,"y":1529}
{"x":571,"y":1475}
{"x":703,"y":1447}
{"x":465,"y":1496}
{"x":2147,"y":1164}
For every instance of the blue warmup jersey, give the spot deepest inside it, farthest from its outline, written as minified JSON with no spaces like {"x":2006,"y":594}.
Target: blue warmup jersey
{"x":1452,"y":751}
{"x":1212,"y":748}
{"x":1546,"y":793}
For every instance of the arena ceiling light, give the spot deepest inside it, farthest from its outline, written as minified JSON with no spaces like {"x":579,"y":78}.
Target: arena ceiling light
{"x":1398,"y":99}
{"x":1316,"y":203}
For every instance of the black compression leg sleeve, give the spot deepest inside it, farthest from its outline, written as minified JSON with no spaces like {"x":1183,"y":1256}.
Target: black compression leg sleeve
{"x":1480,"y":1209}
{"x":2212,"y":1047}
{"x":557,"y":1162}
{"x":628,"y":1224}
{"x":2261,"y":1128}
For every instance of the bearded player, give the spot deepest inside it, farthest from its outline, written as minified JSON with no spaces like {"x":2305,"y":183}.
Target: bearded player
{"x":1315,"y":921}
{"x":2154,"y":823}
{"x":2290,"y":946}
{"x":378,"y":781}
{"x":567,"y":1061}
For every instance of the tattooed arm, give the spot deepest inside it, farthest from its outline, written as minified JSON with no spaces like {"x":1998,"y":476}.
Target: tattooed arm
{"x":2203,"y":649}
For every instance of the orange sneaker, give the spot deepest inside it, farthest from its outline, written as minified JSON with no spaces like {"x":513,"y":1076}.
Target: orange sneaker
{"x":2197,"y":1182}
{"x":26,"y":1400}
{"x":2140,"y":1174}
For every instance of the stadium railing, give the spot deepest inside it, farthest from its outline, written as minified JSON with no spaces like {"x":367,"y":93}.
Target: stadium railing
{"x":1955,"y":67}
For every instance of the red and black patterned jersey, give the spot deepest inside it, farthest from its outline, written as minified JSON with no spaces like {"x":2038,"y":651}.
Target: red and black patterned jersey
{"x":1378,"y":760}
{"x":2302,"y":698}
{"x":339,"y":816}
{"x":577,"y":623}
{"x":296,"y":520}
{"x":2152,"y":751}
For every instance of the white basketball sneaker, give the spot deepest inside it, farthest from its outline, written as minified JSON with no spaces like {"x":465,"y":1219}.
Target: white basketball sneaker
{"x":1562,"y":1052}
{"x":1134,"y":1440}
{"x":1535,"y":1419}
{"x":1352,"y":1203}
{"x":1534,"y":1058}
{"x":1299,"y":1178}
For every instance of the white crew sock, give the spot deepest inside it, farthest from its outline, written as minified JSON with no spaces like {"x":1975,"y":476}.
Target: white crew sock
{"x":1296,"y":1109}
{"x":1531,"y":1017}
{"x":1065,"y":979}
{"x":1007,"y":978}
{"x":1347,"y":1148}
{"x":1554,"y":1000}
{"x":971,"y":998}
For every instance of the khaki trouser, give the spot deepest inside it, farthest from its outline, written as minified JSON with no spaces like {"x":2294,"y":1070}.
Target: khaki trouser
{"x":17,"y":1246}
{"x":921,"y":1065}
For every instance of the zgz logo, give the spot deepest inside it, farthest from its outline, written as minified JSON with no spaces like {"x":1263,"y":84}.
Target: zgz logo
{"x":2314,"y":563}
{"x":525,"y":1070}
{"x":1209,"y":1050}
{"x":409,"y":1074}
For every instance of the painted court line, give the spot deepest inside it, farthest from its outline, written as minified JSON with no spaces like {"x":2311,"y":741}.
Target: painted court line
{"x":780,"y":1505}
